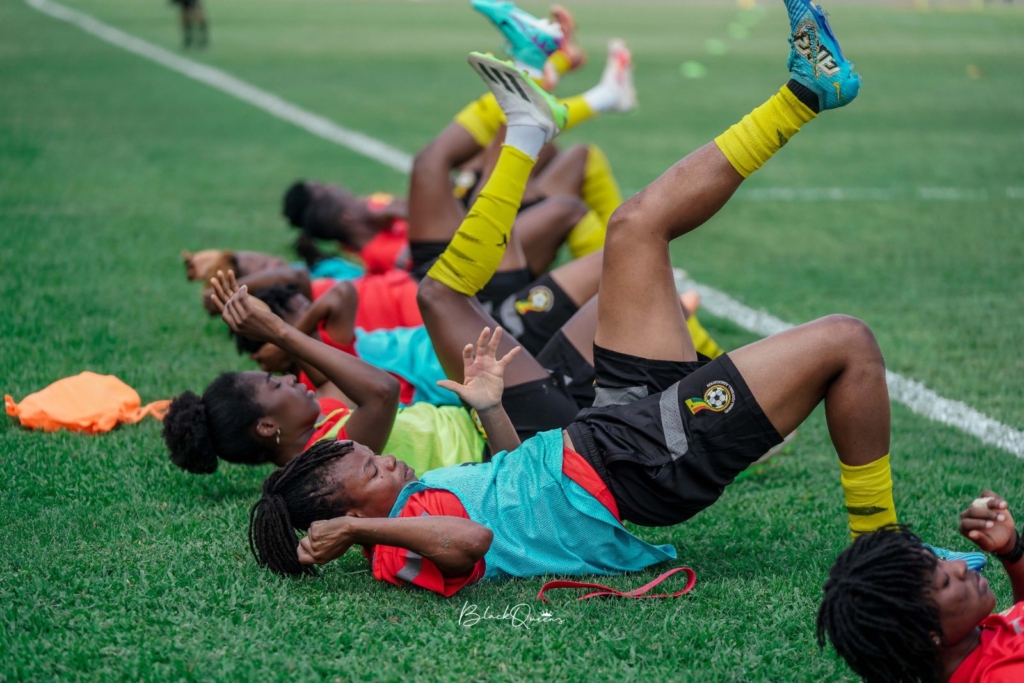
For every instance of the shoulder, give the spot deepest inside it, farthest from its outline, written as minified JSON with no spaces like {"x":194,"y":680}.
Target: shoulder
{"x":437,"y":502}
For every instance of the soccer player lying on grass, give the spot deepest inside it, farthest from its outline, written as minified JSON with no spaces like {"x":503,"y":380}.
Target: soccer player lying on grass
{"x":667,"y":433}
{"x":895,"y":612}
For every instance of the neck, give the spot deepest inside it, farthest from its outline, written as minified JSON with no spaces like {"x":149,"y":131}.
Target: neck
{"x":293,"y":447}
{"x":363,"y":232}
{"x":952,"y":656}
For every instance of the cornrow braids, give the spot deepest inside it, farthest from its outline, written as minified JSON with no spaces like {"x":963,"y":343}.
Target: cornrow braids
{"x":877,"y":610}
{"x":293,"y":498}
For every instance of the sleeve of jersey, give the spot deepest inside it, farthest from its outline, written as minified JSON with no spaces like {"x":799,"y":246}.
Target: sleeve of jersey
{"x":404,"y":567}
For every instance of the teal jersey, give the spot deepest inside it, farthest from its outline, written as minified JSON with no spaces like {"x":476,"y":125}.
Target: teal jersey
{"x":334,"y":268}
{"x":408,"y":353}
{"x":543,"y":522}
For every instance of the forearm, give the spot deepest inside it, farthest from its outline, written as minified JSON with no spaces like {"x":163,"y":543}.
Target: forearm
{"x":454,"y":544}
{"x":501,"y":433}
{"x":278,"y":276}
{"x":360,"y":381}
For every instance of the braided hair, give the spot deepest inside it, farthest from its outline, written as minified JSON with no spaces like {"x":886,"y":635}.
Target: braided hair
{"x":293,"y":498}
{"x":198,"y":431}
{"x":279,"y":299}
{"x":877,"y":610}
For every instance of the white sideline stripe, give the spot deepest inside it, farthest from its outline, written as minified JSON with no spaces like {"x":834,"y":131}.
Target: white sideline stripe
{"x":911,"y":393}
{"x":272,"y":104}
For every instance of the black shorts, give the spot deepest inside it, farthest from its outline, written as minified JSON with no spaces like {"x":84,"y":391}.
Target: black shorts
{"x":535,"y":313}
{"x":538,"y":406}
{"x":422,"y":255}
{"x":565,"y":363}
{"x":501,"y":287}
{"x":669,"y":453}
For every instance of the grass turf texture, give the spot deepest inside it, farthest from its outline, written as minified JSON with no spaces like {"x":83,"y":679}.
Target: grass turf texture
{"x":116,"y":565}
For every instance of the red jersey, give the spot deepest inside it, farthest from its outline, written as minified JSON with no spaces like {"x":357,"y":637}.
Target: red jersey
{"x":387,"y":248}
{"x":407,"y":390}
{"x":332,"y":411}
{"x":402,"y":567}
{"x":1000,"y":657}
{"x":386,"y":300}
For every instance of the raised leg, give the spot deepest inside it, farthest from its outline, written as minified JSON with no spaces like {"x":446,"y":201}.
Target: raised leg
{"x":434,"y":214}
{"x":835,"y":359}
{"x":637,"y":267}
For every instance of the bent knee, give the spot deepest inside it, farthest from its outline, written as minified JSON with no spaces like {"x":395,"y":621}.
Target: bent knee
{"x":852,"y":333}
{"x":623,"y":224}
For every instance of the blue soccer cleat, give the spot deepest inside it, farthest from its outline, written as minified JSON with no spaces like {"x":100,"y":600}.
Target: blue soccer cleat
{"x":975,"y":561}
{"x":529,"y":40}
{"x":815,"y":60}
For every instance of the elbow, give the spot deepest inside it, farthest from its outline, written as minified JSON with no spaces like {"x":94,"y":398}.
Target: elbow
{"x":480,"y":542}
{"x":388,"y":391}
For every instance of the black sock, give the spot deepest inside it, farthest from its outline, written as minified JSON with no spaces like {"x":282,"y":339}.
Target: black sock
{"x":804,"y":94}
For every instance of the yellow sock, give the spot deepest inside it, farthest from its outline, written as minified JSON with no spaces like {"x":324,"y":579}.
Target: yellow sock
{"x":868,"y":490}
{"x":473,"y":255}
{"x":600,"y":190}
{"x":761,"y":133}
{"x":560,"y":61}
{"x":482,"y":118}
{"x":587,"y":236}
{"x":702,"y":341}
{"x":579,"y":111}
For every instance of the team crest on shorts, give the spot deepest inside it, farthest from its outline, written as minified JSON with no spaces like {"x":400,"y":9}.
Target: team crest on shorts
{"x":539,"y":300}
{"x":717,"y":398}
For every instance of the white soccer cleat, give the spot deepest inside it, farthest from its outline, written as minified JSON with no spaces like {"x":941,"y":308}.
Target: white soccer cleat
{"x":618,"y":76}
{"x":524,"y":102}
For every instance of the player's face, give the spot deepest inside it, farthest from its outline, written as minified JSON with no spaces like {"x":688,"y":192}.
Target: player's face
{"x":370,"y":483}
{"x":284,"y":400}
{"x":963,"y":597}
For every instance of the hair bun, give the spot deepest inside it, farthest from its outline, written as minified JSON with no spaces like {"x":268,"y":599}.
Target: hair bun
{"x":187,"y":435}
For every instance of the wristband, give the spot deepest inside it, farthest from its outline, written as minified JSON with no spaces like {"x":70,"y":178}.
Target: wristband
{"x":1014,"y":555}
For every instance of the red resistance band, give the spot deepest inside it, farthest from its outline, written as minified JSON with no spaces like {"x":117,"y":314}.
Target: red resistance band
{"x":636,"y":593}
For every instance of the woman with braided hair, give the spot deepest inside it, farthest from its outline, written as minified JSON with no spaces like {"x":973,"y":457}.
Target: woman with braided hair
{"x":896,"y":612}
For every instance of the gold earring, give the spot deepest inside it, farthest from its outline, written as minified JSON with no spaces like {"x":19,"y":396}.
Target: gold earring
{"x":279,"y":437}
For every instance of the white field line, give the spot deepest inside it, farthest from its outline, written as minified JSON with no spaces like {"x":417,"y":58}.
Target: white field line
{"x":911,"y":393}
{"x":215,"y":78}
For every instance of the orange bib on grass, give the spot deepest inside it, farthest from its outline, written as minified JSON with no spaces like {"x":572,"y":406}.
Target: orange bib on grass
{"x":87,"y":403}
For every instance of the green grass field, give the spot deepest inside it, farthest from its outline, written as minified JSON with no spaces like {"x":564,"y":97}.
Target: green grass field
{"x":115,"y":565}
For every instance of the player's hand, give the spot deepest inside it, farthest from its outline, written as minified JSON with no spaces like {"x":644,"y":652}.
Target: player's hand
{"x":272,"y":359}
{"x":326,"y":541}
{"x":245,"y":315}
{"x":484,"y":373}
{"x":989,"y":524}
